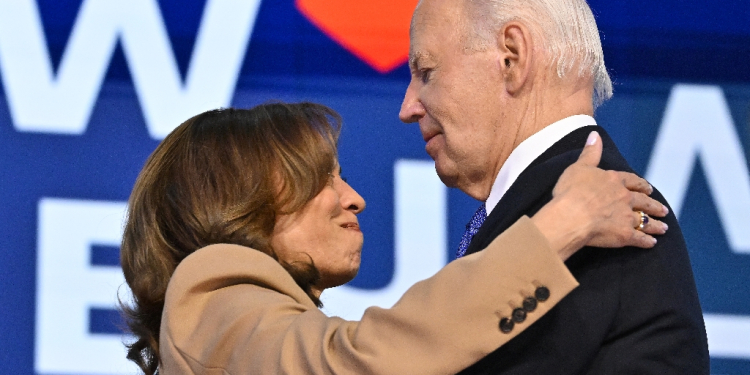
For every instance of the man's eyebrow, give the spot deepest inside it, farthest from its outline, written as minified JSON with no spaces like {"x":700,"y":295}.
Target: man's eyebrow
{"x":416,"y":57}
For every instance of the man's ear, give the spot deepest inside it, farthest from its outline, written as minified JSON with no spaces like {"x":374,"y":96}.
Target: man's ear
{"x":514,"y":44}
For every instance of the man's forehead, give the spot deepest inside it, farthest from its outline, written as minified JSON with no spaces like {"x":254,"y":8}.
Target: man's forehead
{"x":431,"y":13}
{"x":434,"y":21}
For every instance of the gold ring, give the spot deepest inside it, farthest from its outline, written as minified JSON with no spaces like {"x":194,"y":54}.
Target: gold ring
{"x":644,"y":220}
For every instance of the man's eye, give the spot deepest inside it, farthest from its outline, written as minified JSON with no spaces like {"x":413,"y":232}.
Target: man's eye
{"x":424,"y":74}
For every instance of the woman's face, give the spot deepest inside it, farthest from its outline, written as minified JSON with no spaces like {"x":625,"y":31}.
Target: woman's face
{"x":325,"y":229}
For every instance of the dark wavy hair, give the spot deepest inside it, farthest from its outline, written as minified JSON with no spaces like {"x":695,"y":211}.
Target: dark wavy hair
{"x":220,"y":177}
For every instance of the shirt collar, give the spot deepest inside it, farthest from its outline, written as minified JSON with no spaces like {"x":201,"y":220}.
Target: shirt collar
{"x":530,"y":149}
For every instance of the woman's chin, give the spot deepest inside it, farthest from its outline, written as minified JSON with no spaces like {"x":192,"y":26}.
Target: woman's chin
{"x":332,"y":281}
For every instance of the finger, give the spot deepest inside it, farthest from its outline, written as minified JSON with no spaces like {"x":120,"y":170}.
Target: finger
{"x":635,"y":183}
{"x":643,"y":240}
{"x":592,"y":152}
{"x":655,"y":227}
{"x":652,"y":207}
{"x":646,"y":224}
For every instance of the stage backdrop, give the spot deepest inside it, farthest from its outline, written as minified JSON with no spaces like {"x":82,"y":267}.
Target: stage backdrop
{"x":90,"y":87}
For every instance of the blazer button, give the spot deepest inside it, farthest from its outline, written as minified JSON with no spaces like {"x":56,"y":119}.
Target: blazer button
{"x":506,"y":325}
{"x":542,"y":293}
{"x":519,"y":315}
{"x":529,"y":304}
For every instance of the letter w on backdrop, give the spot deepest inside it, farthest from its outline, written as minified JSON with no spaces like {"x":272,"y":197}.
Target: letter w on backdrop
{"x":41,"y":100}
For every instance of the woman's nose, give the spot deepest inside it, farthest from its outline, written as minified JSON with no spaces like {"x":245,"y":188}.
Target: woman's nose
{"x":350,"y":199}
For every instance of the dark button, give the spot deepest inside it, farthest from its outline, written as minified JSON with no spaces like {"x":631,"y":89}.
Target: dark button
{"x":542,"y":293}
{"x":529,"y":304}
{"x":506,"y":325}
{"x":519,"y":315}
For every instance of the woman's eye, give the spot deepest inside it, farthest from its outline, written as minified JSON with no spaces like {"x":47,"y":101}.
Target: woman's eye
{"x":332,"y":178}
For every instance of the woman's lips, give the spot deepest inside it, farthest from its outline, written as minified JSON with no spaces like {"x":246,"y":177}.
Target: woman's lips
{"x":352,"y":226}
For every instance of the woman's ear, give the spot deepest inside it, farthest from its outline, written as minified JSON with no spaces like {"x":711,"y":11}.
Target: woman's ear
{"x":514,"y":44}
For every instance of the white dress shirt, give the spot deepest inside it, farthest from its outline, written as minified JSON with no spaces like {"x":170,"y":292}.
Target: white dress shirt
{"x":528,"y":151}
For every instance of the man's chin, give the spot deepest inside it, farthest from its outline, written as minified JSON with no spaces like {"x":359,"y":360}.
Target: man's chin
{"x":449,"y":178}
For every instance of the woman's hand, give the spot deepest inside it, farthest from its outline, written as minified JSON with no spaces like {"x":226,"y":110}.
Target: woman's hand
{"x":593,"y":207}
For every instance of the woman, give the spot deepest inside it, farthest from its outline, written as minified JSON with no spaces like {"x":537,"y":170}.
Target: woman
{"x":240,"y":219}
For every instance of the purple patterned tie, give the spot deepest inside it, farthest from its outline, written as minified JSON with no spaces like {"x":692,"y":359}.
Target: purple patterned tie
{"x":471,"y":229}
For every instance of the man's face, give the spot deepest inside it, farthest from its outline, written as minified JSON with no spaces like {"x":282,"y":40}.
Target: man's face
{"x":457,"y":97}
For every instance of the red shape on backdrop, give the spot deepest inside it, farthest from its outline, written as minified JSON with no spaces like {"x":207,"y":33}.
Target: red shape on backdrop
{"x":376,"y":31}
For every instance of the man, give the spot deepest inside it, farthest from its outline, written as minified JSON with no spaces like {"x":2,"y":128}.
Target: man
{"x":504,"y":92}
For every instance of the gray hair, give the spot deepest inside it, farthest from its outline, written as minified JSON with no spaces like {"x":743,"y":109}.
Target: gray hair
{"x":567,"y":29}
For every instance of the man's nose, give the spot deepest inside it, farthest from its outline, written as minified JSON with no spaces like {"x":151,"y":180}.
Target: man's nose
{"x":411,"y":108}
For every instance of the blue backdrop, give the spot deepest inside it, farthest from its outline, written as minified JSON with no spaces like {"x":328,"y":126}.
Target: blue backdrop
{"x":90,"y":87}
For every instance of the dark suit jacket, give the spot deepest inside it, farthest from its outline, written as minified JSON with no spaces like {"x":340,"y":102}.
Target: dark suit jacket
{"x":635,"y":312}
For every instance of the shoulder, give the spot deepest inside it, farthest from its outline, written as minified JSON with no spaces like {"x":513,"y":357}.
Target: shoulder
{"x":223,"y":296}
{"x":220,"y":266}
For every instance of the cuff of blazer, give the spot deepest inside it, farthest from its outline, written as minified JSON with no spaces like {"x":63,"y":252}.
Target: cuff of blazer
{"x":541,"y":277}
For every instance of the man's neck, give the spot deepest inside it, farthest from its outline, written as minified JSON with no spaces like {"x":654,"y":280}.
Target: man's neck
{"x":536,"y":111}
{"x":551,"y":106}
{"x":544,"y":101}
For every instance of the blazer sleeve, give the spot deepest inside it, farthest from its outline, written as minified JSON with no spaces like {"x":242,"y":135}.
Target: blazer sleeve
{"x":233,"y":310}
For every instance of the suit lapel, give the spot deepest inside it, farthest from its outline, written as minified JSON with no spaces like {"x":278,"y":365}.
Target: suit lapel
{"x":533,"y":188}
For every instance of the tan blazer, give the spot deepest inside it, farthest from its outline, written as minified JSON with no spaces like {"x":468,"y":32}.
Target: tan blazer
{"x":234,"y":310}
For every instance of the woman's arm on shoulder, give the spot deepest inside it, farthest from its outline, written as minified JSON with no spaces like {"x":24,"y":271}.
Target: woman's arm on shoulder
{"x":259,"y":324}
